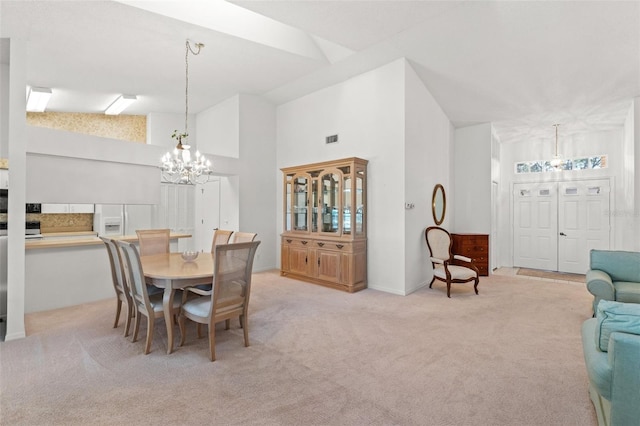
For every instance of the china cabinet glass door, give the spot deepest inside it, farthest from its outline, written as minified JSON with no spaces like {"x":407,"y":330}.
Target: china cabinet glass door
{"x":360,"y":202}
{"x":330,"y":187}
{"x":300,"y":203}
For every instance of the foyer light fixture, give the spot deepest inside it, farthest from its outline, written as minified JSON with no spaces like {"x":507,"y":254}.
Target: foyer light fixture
{"x":121,"y":103}
{"x":38,"y":99}
{"x":556,"y":161}
{"x":178,"y":167}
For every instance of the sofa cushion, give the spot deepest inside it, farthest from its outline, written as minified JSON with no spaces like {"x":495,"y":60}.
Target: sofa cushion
{"x":620,"y":265}
{"x":627,"y":291}
{"x":598,"y":367}
{"x":615,"y":316}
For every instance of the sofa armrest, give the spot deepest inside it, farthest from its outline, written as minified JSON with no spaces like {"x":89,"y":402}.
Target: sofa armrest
{"x":599,"y":284}
{"x":624,"y":358}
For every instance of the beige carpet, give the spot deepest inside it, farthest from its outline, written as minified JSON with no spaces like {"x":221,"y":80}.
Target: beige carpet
{"x":509,"y":356}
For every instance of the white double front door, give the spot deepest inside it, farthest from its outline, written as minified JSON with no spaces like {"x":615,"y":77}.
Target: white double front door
{"x":556,"y":224}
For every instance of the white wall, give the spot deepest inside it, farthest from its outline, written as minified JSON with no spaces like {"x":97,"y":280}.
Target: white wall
{"x":244,"y":203}
{"x":628,"y":213}
{"x":427,"y":157}
{"x":17,"y":124}
{"x":367,"y":113}
{"x":258,"y":206}
{"x":472,"y":163}
{"x":4,"y":116}
{"x":221,"y":125}
{"x":636,"y":138}
{"x":160,"y":127}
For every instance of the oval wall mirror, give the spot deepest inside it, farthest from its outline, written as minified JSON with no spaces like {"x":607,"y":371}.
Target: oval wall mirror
{"x":438,"y":204}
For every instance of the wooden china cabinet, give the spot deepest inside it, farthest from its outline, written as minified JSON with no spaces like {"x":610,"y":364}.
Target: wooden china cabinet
{"x":325,"y":229}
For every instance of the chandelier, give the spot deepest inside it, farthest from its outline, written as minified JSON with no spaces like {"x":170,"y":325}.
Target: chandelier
{"x":556,"y":161}
{"x":179,"y":166}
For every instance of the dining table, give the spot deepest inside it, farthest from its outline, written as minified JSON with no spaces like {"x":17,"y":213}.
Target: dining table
{"x":170,"y":271}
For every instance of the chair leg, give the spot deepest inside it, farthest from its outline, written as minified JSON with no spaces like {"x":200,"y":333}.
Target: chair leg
{"x":212,"y":342}
{"x":432,"y":280}
{"x":243,"y":321}
{"x":199,"y":330}
{"x":183,"y":330}
{"x":147,"y":347}
{"x":118,"y":309}
{"x":127,"y":324}
{"x":449,"y":289}
{"x":475,"y":286}
{"x":136,"y":327}
{"x":227,"y":323}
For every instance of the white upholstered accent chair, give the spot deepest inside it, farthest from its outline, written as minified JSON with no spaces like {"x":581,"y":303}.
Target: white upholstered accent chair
{"x":448,"y":267}
{"x":123,"y":294}
{"x":148,"y":305}
{"x":232,"y":268}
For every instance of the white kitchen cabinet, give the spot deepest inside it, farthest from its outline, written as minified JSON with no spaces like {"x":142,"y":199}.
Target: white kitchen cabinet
{"x":4,"y":178}
{"x":55,"y":208}
{"x":81,"y":208}
{"x":67,"y":208}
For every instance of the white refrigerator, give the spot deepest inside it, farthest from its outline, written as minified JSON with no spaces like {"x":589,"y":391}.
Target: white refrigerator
{"x":119,"y":219}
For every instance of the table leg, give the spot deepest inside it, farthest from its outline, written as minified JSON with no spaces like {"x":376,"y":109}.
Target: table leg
{"x":167,"y":303}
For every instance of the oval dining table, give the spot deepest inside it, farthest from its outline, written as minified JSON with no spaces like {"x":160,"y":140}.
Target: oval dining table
{"x":170,"y":272}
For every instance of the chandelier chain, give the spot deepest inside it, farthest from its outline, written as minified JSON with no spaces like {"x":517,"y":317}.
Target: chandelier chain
{"x":186,"y":79}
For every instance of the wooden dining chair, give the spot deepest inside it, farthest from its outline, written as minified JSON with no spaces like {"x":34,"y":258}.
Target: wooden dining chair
{"x":242,"y":237}
{"x":123,"y":294}
{"x":232,"y":269}
{"x":153,"y":241}
{"x":149,"y":306}
{"x":220,"y":236}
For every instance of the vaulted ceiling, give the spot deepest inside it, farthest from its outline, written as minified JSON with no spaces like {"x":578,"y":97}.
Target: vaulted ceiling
{"x":521,"y":65}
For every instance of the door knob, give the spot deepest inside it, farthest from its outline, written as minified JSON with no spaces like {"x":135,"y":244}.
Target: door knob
{"x":563,"y":234}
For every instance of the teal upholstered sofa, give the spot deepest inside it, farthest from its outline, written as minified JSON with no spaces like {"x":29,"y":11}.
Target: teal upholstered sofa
{"x":613,"y":364}
{"x":614,"y":275}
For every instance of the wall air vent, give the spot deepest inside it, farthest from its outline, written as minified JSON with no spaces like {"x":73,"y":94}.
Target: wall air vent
{"x":331,"y":139}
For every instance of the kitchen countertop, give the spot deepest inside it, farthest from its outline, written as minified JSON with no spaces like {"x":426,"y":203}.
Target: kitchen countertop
{"x":77,"y":239}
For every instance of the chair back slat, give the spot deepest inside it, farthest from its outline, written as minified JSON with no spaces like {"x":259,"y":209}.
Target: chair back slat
{"x":134,"y":273}
{"x":220,"y":236}
{"x":242,"y":237}
{"x":153,"y":241}
{"x":233,"y":265}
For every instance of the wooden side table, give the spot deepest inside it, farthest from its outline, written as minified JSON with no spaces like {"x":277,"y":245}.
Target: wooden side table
{"x":474,"y":246}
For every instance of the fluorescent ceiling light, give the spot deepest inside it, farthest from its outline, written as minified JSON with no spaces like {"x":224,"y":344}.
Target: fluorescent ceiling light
{"x":120,"y":104}
{"x":38,"y":99}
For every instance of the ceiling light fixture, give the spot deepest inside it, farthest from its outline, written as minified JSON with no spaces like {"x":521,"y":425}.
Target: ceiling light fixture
{"x":556,"y":162}
{"x":120,"y":104}
{"x":179,"y":167}
{"x":38,"y":99}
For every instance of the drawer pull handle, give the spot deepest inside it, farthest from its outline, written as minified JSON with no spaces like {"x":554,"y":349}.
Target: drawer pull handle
{"x":321,"y":244}
{"x":339,"y":246}
{"x":304,"y":243}
{"x":288,"y":240}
